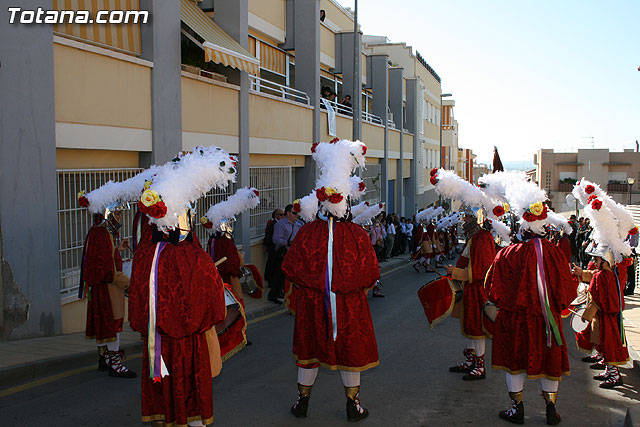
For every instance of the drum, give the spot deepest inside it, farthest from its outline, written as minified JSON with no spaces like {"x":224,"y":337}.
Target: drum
{"x":489,"y":314}
{"x":437,"y":299}
{"x":577,"y":324}
{"x":233,"y":312}
{"x":251,"y":281}
{"x":456,"y":285}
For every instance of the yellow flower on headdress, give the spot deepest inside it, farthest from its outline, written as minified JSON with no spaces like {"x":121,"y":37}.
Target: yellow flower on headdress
{"x":329,"y":191}
{"x":81,"y":193}
{"x":296,"y":201}
{"x":204,"y":220}
{"x":536,"y":208}
{"x":506,"y":207}
{"x":147,"y":185}
{"x":149,"y":198}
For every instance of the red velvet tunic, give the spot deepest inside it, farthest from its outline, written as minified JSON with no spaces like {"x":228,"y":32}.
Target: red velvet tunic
{"x":565,"y":247}
{"x":355,"y":270}
{"x":519,"y":341}
{"x":225,"y":247}
{"x":481,"y":254}
{"x":101,"y":261}
{"x":604,"y":292}
{"x":190,"y":301}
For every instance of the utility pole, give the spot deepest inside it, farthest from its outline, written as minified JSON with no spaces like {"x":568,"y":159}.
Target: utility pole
{"x":357,"y":91}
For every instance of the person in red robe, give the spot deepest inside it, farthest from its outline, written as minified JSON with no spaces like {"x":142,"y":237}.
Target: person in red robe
{"x":333,"y":264}
{"x":221,"y":245}
{"x":103,"y":284}
{"x":606,"y":299}
{"x":471,"y":268}
{"x":190,"y":301}
{"x":528,"y":340}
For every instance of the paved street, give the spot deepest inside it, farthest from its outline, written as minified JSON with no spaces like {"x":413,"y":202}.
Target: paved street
{"x":411,"y":387}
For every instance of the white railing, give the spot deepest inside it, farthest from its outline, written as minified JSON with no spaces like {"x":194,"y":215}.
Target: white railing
{"x":371,"y":118}
{"x":337,"y":107}
{"x":285,"y":92}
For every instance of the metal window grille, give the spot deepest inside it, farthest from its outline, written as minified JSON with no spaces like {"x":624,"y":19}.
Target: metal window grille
{"x":74,"y":221}
{"x":372,"y":177}
{"x":275,"y":185}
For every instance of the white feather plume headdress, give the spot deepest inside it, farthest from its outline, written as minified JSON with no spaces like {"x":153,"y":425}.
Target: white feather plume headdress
{"x":184,"y":180}
{"x":450,"y":185}
{"x":113,"y":194}
{"x":244,"y":199}
{"x":525,"y":199}
{"x":359,"y":208}
{"x":336,"y":160}
{"x":368,"y":214}
{"x":611,"y":221}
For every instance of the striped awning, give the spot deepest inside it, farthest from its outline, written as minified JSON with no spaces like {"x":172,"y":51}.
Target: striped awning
{"x":219,"y":46}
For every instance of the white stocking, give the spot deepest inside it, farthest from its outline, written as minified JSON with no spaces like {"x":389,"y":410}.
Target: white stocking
{"x":470,"y":344}
{"x":515,"y":383}
{"x":307,"y":376}
{"x":350,"y":379}
{"x":114,"y":345}
{"x":550,"y":386}
{"x":479,"y":345}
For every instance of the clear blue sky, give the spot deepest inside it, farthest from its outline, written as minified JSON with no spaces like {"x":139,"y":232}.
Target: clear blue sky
{"x":526,"y":74}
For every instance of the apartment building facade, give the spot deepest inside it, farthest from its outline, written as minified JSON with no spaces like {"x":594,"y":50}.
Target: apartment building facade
{"x":102,"y":102}
{"x":616,"y":172}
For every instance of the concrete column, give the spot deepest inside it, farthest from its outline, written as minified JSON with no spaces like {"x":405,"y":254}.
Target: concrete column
{"x":345,"y":64}
{"x":413,"y":127}
{"x":28,"y":190}
{"x":160,"y":41}
{"x":395,"y":104}
{"x":233,"y":18}
{"x":378,"y":82}
{"x":306,"y":16}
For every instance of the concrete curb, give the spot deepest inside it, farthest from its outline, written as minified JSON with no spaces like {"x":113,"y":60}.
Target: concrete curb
{"x":24,"y":372}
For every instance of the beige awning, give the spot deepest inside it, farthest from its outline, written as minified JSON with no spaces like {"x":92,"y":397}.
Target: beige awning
{"x":219,"y":46}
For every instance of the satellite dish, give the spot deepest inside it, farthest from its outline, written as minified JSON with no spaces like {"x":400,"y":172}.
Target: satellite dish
{"x":571,"y":200}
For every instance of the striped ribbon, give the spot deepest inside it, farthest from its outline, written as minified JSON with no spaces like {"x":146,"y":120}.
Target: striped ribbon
{"x":154,"y":342}
{"x":550,"y":322}
{"x":623,"y":336}
{"x":330,"y":296}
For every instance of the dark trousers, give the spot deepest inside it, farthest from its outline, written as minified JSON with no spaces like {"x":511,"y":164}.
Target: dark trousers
{"x":631,"y":278}
{"x":277,"y":280}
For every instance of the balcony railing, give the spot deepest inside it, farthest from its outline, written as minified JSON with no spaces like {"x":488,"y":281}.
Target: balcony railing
{"x":348,"y":111}
{"x":618,"y":188}
{"x":565,"y":187}
{"x":281,"y":91}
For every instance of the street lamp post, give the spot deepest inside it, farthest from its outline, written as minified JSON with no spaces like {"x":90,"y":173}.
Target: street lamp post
{"x":630,"y":181}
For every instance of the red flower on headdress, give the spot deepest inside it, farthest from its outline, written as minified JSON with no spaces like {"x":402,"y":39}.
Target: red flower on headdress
{"x":335,"y":198}
{"x":433,"y":180}
{"x":256,"y":192}
{"x":589,"y":189}
{"x":321,"y":195}
{"x":498,"y":211}
{"x":334,"y":140}
{"x":141,"y":207}
{"x":530,"y":217}
{"x":364,"y":150}
{"x":633,"y":231}
{"x":208,"y":225}
{"x":296,"y":207}
{"x":83,"y":202}
{"x":380,"y":205}
{"x":157,"y":210}
{"x":591,"y":198}
{"x":366,"y":203}
{"x":361,"y":186}
{"x":313,"y":147}
{"x":596,"y":204}
{"x":433,"y":172}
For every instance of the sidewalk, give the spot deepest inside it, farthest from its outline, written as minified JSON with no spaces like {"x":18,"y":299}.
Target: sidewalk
{"x":27,"y":359}
{"x":632,"y":327}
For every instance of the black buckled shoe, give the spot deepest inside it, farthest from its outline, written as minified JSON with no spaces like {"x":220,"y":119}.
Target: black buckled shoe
{"x":355,"y":412}
{"x":466,"y":366}
{"x":300,"y":408}
{"x":515,"y":414}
